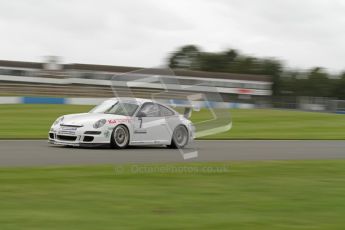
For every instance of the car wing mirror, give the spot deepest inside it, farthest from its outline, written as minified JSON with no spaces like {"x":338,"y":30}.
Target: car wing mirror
{"x":141,"y":114}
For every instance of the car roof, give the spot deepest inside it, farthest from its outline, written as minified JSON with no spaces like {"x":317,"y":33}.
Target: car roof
{"x":138,"y":101}
{"x":132,"y":99}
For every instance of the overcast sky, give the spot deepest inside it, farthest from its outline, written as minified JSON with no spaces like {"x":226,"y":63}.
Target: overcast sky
{"x":303,"y":33}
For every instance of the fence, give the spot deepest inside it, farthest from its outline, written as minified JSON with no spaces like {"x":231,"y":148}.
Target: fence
{"x":96,"y":101}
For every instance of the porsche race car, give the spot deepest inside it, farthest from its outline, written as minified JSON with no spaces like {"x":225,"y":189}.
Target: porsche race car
{"x":121,"y":122}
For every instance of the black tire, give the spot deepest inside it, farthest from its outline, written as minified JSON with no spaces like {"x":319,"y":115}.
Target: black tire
{"x":120,"y":137}
{"x":180,"y":137}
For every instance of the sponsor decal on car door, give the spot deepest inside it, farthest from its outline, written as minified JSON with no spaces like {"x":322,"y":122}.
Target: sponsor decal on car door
{"x":151,"y":128}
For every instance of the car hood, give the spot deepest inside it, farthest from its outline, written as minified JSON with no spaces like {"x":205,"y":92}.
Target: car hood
{"x":88,"y":118}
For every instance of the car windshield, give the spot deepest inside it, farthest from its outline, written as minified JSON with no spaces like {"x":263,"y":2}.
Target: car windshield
{"x":116,"y":107}
{"x":104,"y":106}
{"x":121,"y":108}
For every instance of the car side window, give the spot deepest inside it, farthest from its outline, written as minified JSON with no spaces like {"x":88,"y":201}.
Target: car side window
{"x":150,"y":109}
{"x":164,"y":111}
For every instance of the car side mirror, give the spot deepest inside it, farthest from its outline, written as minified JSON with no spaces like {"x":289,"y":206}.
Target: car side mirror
{"x":141,"y":114}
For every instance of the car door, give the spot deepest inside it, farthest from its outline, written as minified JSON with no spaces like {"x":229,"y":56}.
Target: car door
{"x":150,"y":127}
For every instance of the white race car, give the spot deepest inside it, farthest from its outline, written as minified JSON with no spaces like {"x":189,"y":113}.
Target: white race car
{"x":124,"y":121}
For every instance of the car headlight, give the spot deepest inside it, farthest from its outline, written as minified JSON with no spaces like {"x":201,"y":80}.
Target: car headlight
{"x":60,"y":119}
{"x":99,"y":123}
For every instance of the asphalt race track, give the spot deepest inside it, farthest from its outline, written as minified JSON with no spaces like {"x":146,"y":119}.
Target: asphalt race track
{"x":40,"y":153}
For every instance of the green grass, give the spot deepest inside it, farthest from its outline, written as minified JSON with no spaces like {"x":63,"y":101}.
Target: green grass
{"x":33,"y":121}
{"x":282,"y":124}
{"x":252,"y":195}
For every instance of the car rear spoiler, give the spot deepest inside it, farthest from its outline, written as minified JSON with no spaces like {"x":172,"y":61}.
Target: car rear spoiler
{"x":187,"y":113}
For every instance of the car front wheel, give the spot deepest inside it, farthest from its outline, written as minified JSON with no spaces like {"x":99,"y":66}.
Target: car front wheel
{"x":120,"y":137}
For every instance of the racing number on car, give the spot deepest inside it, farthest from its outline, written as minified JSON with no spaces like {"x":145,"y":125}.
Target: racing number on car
{"x":141,"y":122}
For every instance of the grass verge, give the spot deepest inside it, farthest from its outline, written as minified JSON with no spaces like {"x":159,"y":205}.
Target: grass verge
{"x":251,"y":195}
{"x":34,"y":121}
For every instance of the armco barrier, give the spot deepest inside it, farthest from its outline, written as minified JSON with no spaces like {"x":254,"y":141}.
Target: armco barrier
{"x":10,"y":100}
{"x":96,"y":101}
{"x":42,"y":100}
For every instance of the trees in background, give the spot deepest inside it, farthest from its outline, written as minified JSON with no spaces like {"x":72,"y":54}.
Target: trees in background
{"x":315,"y":82}
{"x":339,"y":87}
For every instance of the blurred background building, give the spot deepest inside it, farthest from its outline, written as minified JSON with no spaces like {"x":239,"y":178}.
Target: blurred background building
{"x":53,"y":79}
{"x":237,"y":80}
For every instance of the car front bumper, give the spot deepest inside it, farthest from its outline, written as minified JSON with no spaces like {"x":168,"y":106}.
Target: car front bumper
{"x":79,"y":137}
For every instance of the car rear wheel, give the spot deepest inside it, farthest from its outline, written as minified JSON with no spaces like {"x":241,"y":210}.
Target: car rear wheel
{"x":179,"y":138}
{"x":120,"y":137}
